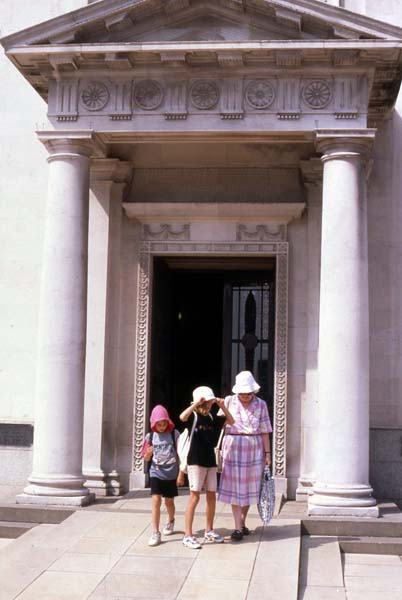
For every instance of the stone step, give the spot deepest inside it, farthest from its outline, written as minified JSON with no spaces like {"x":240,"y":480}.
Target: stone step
{"x":33,"y":514}
{"x":13,"y":529}
{"x":343,"y":527}
{"x":371,"y":545}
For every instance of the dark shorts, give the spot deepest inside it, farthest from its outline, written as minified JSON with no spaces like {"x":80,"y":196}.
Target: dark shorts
{"x":163,"y":487}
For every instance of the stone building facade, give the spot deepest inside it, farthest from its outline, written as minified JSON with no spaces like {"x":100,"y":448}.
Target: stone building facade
{"x":190,"y":188}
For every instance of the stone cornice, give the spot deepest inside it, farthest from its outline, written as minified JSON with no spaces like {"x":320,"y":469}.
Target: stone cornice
{"x":109,"y":13}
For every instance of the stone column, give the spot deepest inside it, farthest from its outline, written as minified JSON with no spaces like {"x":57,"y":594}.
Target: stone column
{"x":312,"y":176}
{"x":108,"y":181}
{"x":342,"y":486}
{"x":58,"y":435}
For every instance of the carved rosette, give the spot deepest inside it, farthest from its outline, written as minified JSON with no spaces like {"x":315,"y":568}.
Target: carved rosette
{"x":204,"y":94}
{"x":260,"y":94}
{"x":95,"y":95}
{"x":148,"y":94}
{"x":141,"y":358}
{"x":317,"y":93}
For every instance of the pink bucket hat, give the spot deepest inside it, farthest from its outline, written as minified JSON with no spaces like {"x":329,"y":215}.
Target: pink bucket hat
{"x":159,"y":413}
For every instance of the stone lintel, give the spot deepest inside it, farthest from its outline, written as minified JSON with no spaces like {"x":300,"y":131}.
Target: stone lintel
{"x":148,"y":212}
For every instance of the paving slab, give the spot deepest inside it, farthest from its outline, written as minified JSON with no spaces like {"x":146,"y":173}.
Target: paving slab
{"x":374,"y":584}
{"x":276,"y":569}
{"x":321,"y":562}
{"x":370,"y":559}
{"x":322,"y":593}
{"x":61,"y":586}
{"x":366,"y":595}
{"x":128,"y":585}
{"x":196,"y":588}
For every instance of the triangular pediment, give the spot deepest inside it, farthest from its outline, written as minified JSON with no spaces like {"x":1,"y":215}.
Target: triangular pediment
{"x":124,"y":21}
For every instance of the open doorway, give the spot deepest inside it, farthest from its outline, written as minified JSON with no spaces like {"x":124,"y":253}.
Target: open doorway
{"x":211,"y":317}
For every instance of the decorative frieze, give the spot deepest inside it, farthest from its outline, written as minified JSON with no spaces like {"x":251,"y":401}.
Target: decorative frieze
{"x":177,"y":98}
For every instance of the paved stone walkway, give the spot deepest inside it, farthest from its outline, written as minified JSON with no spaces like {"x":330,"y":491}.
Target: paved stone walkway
{"x":102,"y":553}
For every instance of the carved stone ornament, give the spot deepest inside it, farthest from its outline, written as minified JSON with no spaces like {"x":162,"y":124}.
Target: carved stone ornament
{"x":261,"y":233}
{"x":204,"y":94}
{"x":148,"y":94}
{"x":260,"y":93}
{"x":95,"y":95}
{"x":166,"y":231}
{"x":317,"y":93}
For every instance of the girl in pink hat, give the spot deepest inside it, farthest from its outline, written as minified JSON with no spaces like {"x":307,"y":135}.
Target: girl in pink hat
{"x":159,"y":450}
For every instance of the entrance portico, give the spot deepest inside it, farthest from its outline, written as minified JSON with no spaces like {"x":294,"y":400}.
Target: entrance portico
{"x":142,"y":113}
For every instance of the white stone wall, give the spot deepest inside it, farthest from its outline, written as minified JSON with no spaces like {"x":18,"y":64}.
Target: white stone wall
{"x":23,"y":187}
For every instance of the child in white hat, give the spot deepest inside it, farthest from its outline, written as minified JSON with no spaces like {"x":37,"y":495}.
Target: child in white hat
{"x":201,"y":462}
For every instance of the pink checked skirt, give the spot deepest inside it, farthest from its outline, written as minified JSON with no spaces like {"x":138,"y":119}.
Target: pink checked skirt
{"x":243,"y":465}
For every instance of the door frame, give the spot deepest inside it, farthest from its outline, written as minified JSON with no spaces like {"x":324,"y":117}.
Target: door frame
{"x":150,"y":249}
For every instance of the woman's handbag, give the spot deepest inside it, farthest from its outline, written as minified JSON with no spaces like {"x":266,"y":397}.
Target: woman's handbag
{"x":266,"y":502}
{"x":218,"y":451}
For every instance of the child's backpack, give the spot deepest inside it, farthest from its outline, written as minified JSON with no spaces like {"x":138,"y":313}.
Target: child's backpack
{"x":183,"y":445}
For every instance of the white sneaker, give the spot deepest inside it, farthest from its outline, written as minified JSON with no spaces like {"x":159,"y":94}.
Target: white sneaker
{"x":212,"y":536}
{"x":191,"y":542}
{"x":155,"y":539}
{"x":169,"y":528}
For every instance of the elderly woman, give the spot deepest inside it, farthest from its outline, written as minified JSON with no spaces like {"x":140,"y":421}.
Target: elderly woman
{"x":245,"y":450}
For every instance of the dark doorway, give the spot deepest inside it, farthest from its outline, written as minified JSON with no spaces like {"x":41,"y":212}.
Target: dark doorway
{"x":210,"y":319}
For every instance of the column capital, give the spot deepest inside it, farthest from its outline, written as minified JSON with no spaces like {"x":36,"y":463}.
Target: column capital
{"x":81,"y":143}
{"x":110,"y":169}
{"x":344,"y":143}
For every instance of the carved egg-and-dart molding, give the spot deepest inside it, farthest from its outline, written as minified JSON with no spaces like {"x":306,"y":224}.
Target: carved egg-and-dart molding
{"x":317,"y":93}
{"x":260,"y":94}
{"x":204,"y":95}
{"x":148,"y":94}
{"x":95,"y":95}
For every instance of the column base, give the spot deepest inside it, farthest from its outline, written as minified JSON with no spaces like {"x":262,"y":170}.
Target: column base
{"x":338,"y":511}
{"x":342,"y":501}
{"x":304,"y":488}
{"x":102,"y":484}
{"x":55,"y":500}
{"x":59,"y":490}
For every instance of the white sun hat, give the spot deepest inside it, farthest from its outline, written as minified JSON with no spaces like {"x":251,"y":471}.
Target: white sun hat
{"x":203,"y":392}
{"x":245,"y":383}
